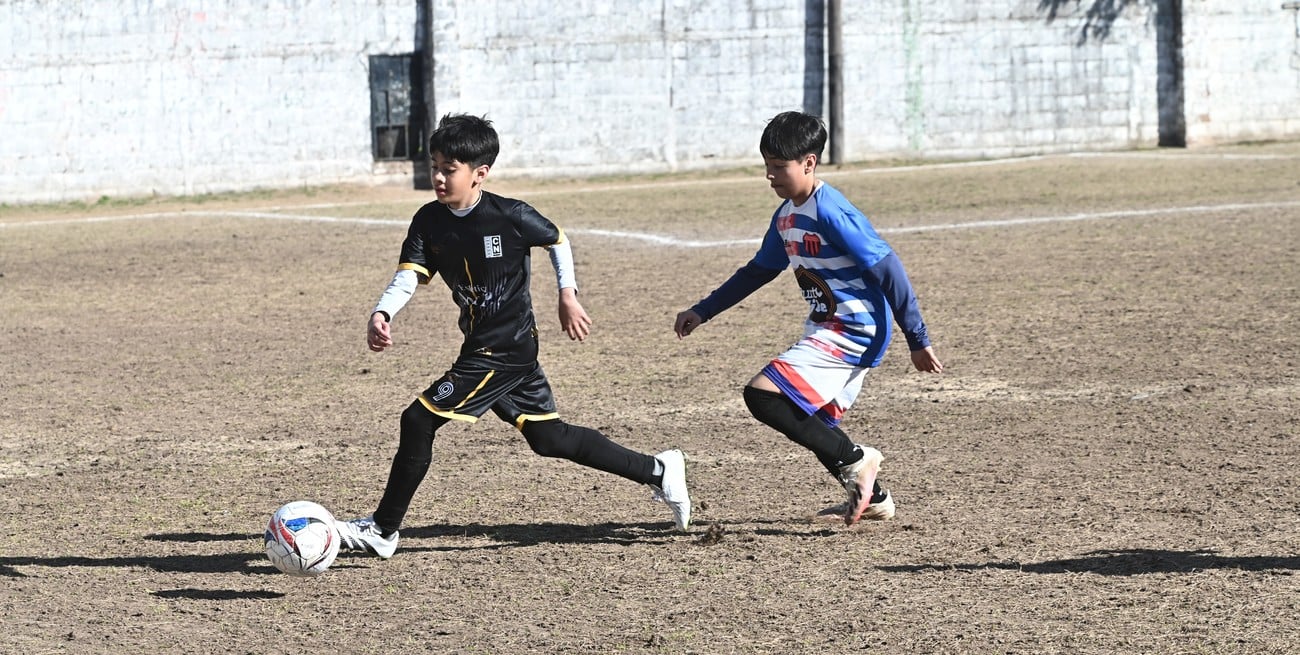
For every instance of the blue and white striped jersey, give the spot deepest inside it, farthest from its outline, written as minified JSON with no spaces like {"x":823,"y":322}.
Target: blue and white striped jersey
{"x":834,"y":249}
{"x":851,"y":278}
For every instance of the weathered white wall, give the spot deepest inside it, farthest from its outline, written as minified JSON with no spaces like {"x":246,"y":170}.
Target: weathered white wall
{"x":600,"y":87}
{"x":981,"y":79}
{"x":133,"y":97}
{"x":138,"y":97}
{"x":1241,"y":70}
{"x":678,"y":84}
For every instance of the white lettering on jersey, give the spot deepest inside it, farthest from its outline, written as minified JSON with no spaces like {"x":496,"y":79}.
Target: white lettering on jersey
{"x":492,"y":246}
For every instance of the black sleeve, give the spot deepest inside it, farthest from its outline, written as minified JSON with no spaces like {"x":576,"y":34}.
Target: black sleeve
{"x":415,"y":255}
{"x":537,"y":230}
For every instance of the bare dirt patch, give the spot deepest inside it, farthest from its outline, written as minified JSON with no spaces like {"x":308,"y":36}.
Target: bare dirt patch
{"x":1108,"y":465}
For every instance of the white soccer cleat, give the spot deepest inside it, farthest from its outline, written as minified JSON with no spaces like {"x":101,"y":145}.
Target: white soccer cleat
{"x":364,"y":535}
{"x":877,"y":511}
{"x":859,"y":478}
{"x":674,"y":493}
{"x":881,"y":511}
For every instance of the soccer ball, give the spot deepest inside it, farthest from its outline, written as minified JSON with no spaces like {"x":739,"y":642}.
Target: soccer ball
{"x":301,"y":539}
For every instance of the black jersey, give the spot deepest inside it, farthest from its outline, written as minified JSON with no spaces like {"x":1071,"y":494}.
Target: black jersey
{"x":484,"y":258}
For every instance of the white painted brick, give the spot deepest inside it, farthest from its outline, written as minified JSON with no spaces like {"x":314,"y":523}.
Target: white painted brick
{"x":234,"y":95}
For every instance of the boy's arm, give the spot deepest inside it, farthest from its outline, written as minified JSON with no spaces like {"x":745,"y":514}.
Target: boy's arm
{"x":743,"y":282}
{"x":394,"y":298}
{"x":573,"y":318}
{"x":562,"y":260}
{"x":766,"y":265}
{"x":889,"y":274}
{"x":538,"y":230}
{"x":746,"y":280}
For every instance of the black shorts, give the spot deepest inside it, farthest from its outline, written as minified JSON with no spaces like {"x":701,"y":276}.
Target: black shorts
{"x":473,"y":386}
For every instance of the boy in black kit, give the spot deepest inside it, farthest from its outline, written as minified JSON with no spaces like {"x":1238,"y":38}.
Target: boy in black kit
{"x":479,"y":243}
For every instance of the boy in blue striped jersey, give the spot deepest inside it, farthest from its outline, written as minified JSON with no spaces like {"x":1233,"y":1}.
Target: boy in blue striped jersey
{"x":854,"y":285}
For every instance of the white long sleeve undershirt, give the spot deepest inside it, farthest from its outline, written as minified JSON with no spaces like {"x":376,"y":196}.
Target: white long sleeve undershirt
{"x":398,"y":293}
{"x":562,"y":259}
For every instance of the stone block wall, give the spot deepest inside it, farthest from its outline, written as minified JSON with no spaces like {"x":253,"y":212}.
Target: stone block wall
{"x":129,"y":97}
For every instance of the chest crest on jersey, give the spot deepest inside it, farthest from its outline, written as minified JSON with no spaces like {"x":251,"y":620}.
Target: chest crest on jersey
{"x":810,"y":246}
{"x":492,"y":246}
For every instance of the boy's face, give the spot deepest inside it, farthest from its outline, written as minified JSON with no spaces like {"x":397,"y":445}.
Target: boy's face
{"x":455,"y":182}
{"x":791,"y":179}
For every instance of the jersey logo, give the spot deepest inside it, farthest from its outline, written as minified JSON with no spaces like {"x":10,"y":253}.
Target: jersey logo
{"x":784,"y":223}
{"x":812,"y":244}
{"x":821,"y":302}
{"x":492,"y":246}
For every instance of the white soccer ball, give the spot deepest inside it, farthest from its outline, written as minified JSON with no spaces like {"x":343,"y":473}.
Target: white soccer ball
{"x":301,"y":539}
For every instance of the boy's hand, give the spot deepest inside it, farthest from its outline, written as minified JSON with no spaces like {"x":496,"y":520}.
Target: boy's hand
{"x":925,"y":361}
{"x":377,"y":334}
{"x":686,"y":323}
{"x":573,"y":318}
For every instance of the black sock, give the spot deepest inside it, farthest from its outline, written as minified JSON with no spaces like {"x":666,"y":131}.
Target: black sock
{"x":585,"y":446}
{"x":657,"y":474}
{"x":410,"y":464}
{"x":831,"y":446}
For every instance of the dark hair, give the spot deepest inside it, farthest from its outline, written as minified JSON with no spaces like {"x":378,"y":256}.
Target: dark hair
{"x":791,"y":135}
{"x":465,"y":138}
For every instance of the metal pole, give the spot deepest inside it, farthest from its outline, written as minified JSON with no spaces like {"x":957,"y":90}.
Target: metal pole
{"x":424,"y":49}
{"x":835,"y":57}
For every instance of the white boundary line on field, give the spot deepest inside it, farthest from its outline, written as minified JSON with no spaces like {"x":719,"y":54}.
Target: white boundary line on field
{"x":233,"y":213}
{"x":669,"y":240}
{"x":886,"y":170}
{"x":1094,"y":216}
{"x":659,"y":184}
{"x":972,"y":225}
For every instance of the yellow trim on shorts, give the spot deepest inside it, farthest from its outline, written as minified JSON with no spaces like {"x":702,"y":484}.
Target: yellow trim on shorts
{"x":561,"y":239}
{"x":476,"y":389}
{"x":452,"y":414}
{"x":519,"y":422}
{"x":447,"y":415}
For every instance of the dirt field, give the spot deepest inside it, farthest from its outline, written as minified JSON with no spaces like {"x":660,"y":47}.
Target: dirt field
{"x":1110,"y":463}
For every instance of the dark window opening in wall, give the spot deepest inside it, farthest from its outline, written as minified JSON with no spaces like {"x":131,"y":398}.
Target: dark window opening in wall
{"x":396,"y":132}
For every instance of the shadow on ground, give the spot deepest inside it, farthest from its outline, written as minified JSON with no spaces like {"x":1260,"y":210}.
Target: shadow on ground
{"x":503,"y":536}
{"x":1137,"y":561}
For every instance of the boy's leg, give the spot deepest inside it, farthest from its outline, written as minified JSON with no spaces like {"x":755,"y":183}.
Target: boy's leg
{"x":854,"y":466}
{"x":803,"y":394}
{"x":666,"y":472}
{"x":530,"y":407}
{"x":585,"y":446}
{"x":410,"y":464}
{"x":832,"y":447}
{"x":378,"y":534}
{"x":463,"y":393}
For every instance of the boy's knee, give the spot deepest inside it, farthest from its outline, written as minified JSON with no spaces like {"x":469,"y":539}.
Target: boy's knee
{"x":766,"y":406}
{"x":549,"y":438}
{"x":418,"y":426}
{"x":417,"y":419}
